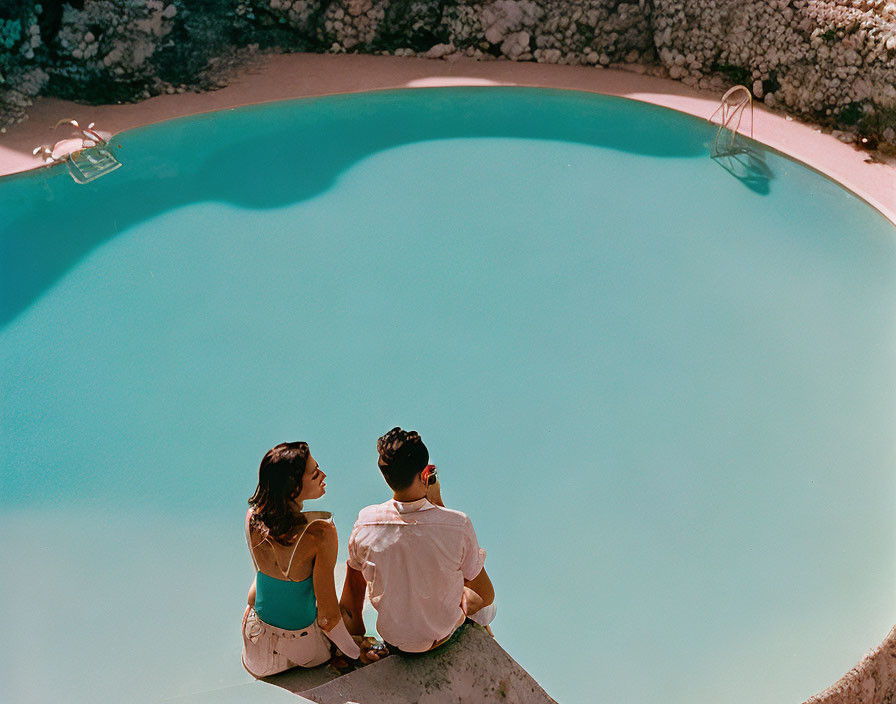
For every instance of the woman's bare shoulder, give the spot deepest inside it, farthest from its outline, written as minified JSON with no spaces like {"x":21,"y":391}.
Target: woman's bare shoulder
{"x":321,"y":532}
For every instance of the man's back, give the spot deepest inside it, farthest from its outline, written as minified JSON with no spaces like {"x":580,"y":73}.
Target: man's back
{"x":415,"y":557}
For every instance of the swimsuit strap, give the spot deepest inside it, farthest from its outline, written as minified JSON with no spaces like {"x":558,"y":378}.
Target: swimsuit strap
{"x":315,"y":516}
{"x":295,"y":547}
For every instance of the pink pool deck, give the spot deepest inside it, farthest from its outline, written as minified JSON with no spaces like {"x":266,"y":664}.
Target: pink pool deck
{"x":284,"y":76}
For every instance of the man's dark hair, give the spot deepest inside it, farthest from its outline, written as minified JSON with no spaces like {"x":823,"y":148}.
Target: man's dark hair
{"x":402,"y":456}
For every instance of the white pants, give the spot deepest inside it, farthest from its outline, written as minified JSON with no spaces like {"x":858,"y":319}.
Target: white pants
{"x":268,"y":650}
{"x":485,"y":615}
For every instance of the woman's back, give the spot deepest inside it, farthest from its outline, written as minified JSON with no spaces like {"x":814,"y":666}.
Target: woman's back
{"x":284,"y":589}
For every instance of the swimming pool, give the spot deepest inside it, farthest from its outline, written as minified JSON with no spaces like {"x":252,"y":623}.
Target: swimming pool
{"x":662,"y":393}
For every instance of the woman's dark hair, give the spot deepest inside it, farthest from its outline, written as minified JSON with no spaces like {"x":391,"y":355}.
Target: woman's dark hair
{"x":279,"y":483}
{"x":402,"y":456}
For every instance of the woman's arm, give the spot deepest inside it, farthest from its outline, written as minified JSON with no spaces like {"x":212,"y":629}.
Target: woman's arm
{"x":327,"y":545}
{"x":478,"y":593}
{"x":329,"y":617}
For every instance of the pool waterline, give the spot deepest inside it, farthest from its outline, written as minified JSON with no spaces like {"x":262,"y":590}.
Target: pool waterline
{"x":315,"y":75}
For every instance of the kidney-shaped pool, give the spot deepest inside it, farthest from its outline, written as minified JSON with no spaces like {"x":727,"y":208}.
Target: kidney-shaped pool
{"x":661,"y":386}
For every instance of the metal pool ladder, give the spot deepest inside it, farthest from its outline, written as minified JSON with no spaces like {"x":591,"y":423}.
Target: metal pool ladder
{"x":731,"y":111}
{"x":85,"y":164}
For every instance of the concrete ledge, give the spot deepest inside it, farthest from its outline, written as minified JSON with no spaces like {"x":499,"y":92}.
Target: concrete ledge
{"x":473,"y":668}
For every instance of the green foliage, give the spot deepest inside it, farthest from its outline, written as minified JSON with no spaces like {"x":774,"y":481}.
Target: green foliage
{"x":851,"y":114}
{"x":202,"y":30}
{"x":584,"y":35}
{"x":771,"y":84}
{"x":411,"y":24}
{"x":21,"y":47}
{"x":873,"y":125}
{"x":10,"y":33}
{"x":255,"y":22}
{"x":830,"y":35}
{"x":736,"y":75}
{"x":92,"y":86}
{"x":586,"y":31}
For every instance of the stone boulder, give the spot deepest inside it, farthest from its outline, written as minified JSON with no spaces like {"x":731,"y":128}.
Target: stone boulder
{"x":471,"y":668}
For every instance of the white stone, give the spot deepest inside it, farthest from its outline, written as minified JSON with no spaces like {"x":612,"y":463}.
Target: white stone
{"x":170,"y":11}
{"x":515,"y":45}
{"x":356,"y":8}
{"x":439,"y":51}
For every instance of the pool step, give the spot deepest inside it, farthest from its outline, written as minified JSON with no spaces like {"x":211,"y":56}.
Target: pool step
{"x":86,"y":153}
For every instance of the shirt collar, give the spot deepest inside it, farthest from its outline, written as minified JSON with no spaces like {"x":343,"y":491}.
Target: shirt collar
{"x":412,"y":506}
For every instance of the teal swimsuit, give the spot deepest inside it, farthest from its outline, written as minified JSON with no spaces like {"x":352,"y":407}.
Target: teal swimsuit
{"x":284,"y":603}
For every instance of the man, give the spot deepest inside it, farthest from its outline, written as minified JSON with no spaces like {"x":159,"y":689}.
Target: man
{"x":422,"y":561}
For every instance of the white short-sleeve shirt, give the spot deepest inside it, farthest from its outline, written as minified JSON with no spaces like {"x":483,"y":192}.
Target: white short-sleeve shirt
{"x":415,"y":557}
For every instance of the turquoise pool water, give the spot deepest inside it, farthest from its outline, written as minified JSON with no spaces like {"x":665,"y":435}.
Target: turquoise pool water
{"x":664,"y":394}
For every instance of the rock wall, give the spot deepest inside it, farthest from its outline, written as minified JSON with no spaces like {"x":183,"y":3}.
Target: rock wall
{"x":872,"y":681}
{"x":830,"y":61}
{"x":470,"y":668}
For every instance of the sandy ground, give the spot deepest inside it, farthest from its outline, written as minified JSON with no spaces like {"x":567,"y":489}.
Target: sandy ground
{"x":277,"y":77}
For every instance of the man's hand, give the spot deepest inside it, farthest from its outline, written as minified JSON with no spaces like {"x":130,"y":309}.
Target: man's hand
{"x":434,"y":494}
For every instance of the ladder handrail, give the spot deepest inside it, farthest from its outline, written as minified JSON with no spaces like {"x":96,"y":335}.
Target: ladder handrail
{"x":732,"y":114}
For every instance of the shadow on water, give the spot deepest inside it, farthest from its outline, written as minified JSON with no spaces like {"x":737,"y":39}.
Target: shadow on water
{"x":240,"y":157}
{"x":748,"y":166}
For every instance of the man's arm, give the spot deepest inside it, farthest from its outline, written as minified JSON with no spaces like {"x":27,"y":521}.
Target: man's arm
{"x":352,"y":601}
{"x":478,"y":593}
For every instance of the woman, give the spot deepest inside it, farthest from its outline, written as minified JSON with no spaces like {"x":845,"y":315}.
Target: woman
{"x":293,"y":614}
